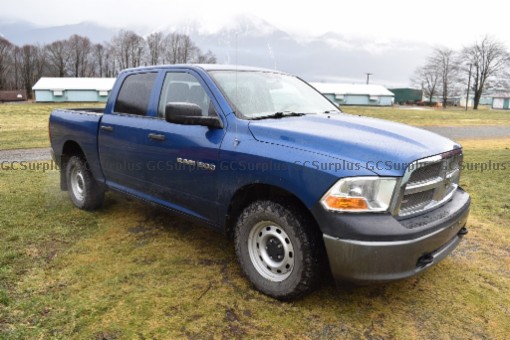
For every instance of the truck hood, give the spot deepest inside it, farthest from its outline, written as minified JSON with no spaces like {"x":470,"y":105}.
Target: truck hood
{"x":381,"y":146}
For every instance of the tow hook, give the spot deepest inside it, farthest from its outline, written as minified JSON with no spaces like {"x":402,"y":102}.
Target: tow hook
{"x":462,"y":232}
{"x":425,"y":260}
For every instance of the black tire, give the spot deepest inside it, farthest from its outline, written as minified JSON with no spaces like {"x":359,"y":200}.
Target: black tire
{"x":285,"y":242}
{"x":84,"y":191}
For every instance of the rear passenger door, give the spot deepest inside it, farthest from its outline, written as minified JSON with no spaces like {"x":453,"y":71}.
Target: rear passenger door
{"x":123,"y":133}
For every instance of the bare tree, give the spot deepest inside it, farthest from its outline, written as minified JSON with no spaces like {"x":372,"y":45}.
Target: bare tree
{"x":80,"y":48}
{"x":31,"y":65}
{"x":156,"y":46}
{"x":443,"y":60}
{"x":172,"y":48}
{"x":128,"y":48}
{"x":6,"y":49}
{"x":488,"y":58}
{"x":110,"y":64}
{"x":188,"y":51}
{"x":21,"y":67}
{"x":16,"y":69}
{"x":501,"y":83}
{"x":99,"y":55}
{"x":428,"y":78}
{"x":180,"y":49}
{"x":208,"y":58}
{"x":57,"y":57}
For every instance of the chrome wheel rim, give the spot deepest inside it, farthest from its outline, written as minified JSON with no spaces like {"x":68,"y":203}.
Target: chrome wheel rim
{"x":77,"y":183}
{"x":271,"y":251}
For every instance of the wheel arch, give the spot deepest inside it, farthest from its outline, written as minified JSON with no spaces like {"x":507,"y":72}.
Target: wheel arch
{"x":71,"y":148}
{"x":260,"y":191}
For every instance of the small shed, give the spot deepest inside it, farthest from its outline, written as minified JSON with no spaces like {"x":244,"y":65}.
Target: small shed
{"x":501,"y":102}
{"x":356,"y":94}
{"x":407,"y":95}
{"x":73,"y":89}
{"x":13,"y":96}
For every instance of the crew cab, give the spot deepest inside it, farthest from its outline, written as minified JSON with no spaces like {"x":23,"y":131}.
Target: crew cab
{"x":301,"y":187}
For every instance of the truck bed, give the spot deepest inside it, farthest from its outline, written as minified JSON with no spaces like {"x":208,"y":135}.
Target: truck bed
{"x":81,"y":124}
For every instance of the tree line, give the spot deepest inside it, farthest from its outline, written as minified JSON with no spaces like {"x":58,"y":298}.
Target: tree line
{"x":22,"y":66}
{"x":481,"y":66}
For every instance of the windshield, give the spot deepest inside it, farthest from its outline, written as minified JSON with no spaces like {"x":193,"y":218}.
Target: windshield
{"x":257,"y":94}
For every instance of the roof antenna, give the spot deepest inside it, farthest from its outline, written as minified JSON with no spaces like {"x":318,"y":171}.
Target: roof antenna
{"x":236,"y":140}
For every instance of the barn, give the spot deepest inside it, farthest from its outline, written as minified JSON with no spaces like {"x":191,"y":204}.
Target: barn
{"x":72,"y":89}
{"x":356,"y":94}
{"x":501,"y":102}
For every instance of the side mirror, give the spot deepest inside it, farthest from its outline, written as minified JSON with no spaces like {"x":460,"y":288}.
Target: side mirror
{"x":189,"y":114}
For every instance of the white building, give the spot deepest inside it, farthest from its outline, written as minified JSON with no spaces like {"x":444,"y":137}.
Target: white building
{"x":501,"y":101}
{"x":72,"y":89}
{"x":356,"y":94}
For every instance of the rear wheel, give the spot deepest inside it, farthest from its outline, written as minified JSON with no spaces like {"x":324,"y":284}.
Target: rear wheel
{"x":84,"y":191}
{"x":278,"y":249}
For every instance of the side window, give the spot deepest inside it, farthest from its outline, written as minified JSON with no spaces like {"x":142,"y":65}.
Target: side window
{"x":135,"y":94}
{"x":184,"y":88}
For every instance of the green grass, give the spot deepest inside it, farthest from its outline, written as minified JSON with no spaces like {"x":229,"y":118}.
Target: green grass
{"x":25,"y":125}
{"x":434,"y":117}
{"x":488,"y":159}
{"x":133,"y":271}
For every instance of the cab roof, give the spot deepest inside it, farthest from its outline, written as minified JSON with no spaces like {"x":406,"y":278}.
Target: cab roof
{"x":206,"y":67}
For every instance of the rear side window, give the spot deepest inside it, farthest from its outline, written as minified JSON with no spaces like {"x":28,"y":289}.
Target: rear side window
{"x":135,"y":93}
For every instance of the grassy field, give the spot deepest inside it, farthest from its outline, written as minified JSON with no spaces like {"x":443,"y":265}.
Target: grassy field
{"x":133,"y":271}
{"x":26,"y":125}
{"x":434,"y":117}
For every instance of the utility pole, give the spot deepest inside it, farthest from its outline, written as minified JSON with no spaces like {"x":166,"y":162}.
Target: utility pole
{"x":469,"y":85}
{"x":368,"y":77}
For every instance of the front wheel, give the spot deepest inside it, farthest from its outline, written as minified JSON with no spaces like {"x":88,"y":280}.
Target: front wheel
{"x":83,"y":189}
{"x":278,"y":249}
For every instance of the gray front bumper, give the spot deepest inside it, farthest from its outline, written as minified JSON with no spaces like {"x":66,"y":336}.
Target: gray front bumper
{"x":367,"y":260}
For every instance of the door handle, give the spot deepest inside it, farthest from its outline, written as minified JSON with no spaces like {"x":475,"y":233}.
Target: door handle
{"x":106,"y":128}
{"x":158,"y":137}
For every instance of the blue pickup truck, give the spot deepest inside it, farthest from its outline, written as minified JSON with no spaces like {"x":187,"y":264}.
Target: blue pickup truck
{"x":302,"y":188}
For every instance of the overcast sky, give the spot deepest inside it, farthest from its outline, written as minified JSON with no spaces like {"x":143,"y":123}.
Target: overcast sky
{"x":438,"y":22}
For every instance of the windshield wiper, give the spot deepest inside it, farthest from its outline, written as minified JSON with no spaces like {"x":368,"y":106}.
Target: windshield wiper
{"x":280,"y":114}
{"x":332,"y":111}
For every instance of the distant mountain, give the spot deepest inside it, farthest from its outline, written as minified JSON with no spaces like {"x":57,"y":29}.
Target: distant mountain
{"x":21,"y":33}
{"x":252,"y":41}
{"x":249,"y":40}
{"x":330,"y":57}
{"x":9,"y":28}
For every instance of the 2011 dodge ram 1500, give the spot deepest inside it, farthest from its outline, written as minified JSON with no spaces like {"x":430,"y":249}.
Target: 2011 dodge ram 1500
{"x":263,"y":156}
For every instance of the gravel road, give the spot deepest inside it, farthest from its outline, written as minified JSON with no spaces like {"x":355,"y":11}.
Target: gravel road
{"x":454,"y":132}
{"x":30,"y":155}
{"x":471,"y":132}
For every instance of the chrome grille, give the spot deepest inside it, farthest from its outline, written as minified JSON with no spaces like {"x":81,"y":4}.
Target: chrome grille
{"x":429,"y":183}
{"x":417,"y":200}
{"x":425,"y":173}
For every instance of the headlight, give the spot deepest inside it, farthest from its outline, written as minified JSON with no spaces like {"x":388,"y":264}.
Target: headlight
{"x":360,"y":194}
